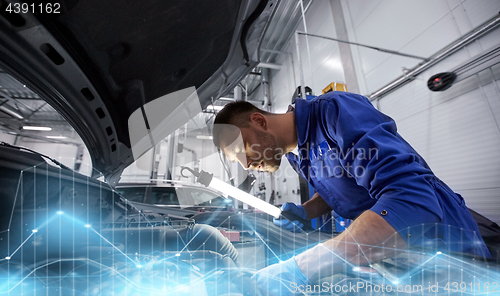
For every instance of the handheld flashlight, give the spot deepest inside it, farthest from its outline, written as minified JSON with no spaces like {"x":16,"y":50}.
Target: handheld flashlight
{"x":208,"y":180}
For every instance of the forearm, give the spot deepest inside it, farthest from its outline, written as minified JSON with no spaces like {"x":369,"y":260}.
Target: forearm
{"x":316,"y":207}
{"x":369,"y":239}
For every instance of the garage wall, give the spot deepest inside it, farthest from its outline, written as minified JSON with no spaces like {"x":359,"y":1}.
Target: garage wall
{"x":457,"y":131}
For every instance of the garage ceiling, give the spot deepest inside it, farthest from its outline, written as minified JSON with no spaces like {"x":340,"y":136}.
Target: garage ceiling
{"x":20,"y":107}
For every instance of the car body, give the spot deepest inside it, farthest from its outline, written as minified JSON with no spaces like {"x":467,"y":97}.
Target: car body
{"x":162,"y":196}
{"x":98,"y":62}
{"x":88,"y":239}
{"x":75,"y":230}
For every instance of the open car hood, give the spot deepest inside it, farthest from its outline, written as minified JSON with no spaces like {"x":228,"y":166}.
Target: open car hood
{"x":96,"y":62}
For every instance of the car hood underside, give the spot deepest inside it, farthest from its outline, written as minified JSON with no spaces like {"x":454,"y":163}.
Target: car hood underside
{"x":96,"y":62}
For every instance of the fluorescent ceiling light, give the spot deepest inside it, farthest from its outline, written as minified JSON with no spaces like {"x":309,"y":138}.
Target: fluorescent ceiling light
{"x":214,"y":108}
{"x":56,"y":137}
{"x":37,"y":128}
{"x":204,"y":137}
{"x":333,"y":63}
{"x":269,"y":65}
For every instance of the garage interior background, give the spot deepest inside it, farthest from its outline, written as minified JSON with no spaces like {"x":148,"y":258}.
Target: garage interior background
{"x":457,"y":131}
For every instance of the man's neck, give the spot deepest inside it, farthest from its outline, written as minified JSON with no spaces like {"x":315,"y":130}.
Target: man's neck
{"x":283,"y":127}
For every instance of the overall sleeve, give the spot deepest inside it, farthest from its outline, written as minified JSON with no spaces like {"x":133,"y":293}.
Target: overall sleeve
{"x":383,"y":163}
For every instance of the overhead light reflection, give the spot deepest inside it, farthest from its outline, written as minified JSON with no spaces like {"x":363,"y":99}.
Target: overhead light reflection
{"x":204,"y":137}
{"x":333,"y":63}
{"x":214,"y":108}
{"x":37,"y":128}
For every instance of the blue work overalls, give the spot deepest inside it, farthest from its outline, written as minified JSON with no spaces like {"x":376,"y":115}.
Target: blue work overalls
{"x":354,"y":158}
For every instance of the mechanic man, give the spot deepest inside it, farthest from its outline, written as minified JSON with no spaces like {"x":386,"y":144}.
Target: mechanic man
{"x":362,"y":169}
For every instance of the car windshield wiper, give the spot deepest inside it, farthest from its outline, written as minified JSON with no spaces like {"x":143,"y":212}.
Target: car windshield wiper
{"x":38,"y":153}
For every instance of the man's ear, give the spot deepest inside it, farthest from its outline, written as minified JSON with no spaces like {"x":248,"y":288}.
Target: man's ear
{"x":259,"y":119}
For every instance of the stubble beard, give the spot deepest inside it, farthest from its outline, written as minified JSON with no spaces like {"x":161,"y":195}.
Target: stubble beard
{"x":270,"y":151}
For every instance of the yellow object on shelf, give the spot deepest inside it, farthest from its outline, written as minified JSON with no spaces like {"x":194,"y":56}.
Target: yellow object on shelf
{"x":338,"y":86}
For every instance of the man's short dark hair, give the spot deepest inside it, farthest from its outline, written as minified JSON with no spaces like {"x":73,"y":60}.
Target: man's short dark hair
{"x":235,"y":113}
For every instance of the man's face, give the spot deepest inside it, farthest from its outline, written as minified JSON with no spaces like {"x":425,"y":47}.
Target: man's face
{"x":253,"y":148}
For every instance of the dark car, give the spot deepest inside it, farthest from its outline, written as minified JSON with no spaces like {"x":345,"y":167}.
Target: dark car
{"x":63,"y":233}
{"x":98,"y":64}
{"x":162,"y":196}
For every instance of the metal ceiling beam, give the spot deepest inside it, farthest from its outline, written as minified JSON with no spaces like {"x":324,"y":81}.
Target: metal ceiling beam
{"x":13,"y":100}
{"x":7,"y":109}
{"x":364,"y":45}
{"x":10,"y":112}
{"x":36,"y":110}
{"x":232,"y":100}
{"x":27,"y":98}
{"x":6,"y":95}
{"x":478,"y":63}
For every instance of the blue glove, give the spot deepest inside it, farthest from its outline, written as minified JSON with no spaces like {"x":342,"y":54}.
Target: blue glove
{"x":283,"y":279}
{"x":293,"y":226}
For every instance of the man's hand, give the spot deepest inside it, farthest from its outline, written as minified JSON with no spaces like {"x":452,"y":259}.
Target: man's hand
{"x":294,"y":226}
{"x":369,"y":239}
{"x":283,"y":278}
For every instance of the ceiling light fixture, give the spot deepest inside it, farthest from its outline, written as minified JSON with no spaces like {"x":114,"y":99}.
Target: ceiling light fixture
{"x":37,"y":128}
{"x":214,"y":108}
{"x":204,"y":137}
{"x":56,"y":137}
